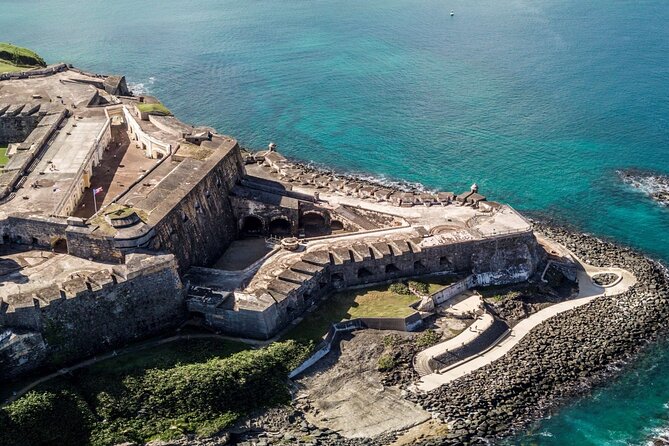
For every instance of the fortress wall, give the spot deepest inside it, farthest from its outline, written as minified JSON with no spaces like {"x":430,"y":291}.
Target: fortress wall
{"x":152,"y":146}
{"x":245,"y":323}
{"x":17,"y":128}
{"x":502,"y":260}
{"x":82,"y":179}
{"x":202,"y":225}
{"x":33,"y":230}
{"x":92,"y":315}
{"x":81,"y":243}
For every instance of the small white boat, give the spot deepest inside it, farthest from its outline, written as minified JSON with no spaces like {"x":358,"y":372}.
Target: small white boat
{"x":452,"y":13}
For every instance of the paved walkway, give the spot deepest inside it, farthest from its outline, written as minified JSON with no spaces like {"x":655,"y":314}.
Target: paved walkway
{"x":467,"y":336}
{"x":588,"y":291}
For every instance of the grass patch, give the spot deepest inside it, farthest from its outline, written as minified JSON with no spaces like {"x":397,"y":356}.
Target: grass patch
{"x":15,"y":58}
{"x":9,"y":68}
{"x":436,"y":283}
{"x":4,"y":159}
{"x":116,"y":211}
{"x":371,"y":302}
{"x":154,"y":109}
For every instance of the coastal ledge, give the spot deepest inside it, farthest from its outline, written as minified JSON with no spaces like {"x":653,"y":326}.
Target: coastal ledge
{"x":562,"y":357}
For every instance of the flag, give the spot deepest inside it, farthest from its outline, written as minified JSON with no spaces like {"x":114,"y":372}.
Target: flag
{"x":97,"y":190}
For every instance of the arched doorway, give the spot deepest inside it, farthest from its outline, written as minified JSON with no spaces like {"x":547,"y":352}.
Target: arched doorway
{"x":280,"y":227}
{"x":314,"y":224}
{"x":59,"y":246}
{"x":336,"y":225}
{"x":252,"y":226}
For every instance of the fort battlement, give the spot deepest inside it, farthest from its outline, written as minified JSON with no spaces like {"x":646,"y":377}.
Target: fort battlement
{"x":115,"y":216}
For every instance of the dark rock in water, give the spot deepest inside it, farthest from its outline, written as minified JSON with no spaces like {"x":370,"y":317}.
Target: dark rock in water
{"x":655,"y":185}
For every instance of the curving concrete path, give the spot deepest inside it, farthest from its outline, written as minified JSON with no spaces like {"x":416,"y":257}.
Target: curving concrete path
{"x":468,"y":335}
{"x":588,"y":291}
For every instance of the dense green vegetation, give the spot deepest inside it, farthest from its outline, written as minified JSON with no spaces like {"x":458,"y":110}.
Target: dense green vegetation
{"x":15,"y":58}
{"x":153,"y":109}
{"x":157,"y":394}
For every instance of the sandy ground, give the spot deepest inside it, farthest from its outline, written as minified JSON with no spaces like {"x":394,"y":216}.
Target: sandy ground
{"x":347,"y":395}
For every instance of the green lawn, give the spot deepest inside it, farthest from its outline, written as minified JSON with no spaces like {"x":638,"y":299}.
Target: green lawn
{"x":4,"y":159}
{"x":371,"y":302}
{"x":20,"y":56}
{"x":14,"y":58}
{"x":9,"y":68}
{"x":154,"y":109}
{"x":163,"y":357}
{"x":435,"y":283}
{"x":109,"y":373}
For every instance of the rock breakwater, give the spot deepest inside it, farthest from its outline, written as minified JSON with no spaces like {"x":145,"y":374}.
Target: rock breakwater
{"x":562,"y":357}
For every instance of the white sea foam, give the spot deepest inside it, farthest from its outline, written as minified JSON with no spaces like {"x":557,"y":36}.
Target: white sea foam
{"x":651,"y":184}
{"x":658,"y":436}
{"x":142,"y":87}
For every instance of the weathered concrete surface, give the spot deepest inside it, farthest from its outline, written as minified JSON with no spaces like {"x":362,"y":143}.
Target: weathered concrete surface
{"x":346,"y":393}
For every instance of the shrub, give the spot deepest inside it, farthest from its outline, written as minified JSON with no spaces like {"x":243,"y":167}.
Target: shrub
{"x":399,"y":288}
{"x":420,"y":287}
{"x":391,"y":340}
{"x":46,"y":418}
{"x":427,"y":339}
{"x":201,"y":396}
{"x":157,"y":403}
{"x":385,"y":363}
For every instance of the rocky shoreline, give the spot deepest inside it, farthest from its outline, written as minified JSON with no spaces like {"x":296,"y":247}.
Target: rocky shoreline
{"x":561,"y":358}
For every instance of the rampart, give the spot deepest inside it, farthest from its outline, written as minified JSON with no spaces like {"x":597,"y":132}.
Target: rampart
{"x":495,"y":260}
{"x":91,"y":312}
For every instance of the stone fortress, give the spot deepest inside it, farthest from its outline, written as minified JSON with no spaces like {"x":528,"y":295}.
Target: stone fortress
{"x":118,"y":221}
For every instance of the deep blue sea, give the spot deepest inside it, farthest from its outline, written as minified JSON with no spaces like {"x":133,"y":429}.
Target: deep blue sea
{"x":539,"y":102}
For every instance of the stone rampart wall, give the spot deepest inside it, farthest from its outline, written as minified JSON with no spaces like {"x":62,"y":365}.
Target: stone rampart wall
{"x":34,"y":230}
{"x":503,"y":260}
{"x":199,"y":228}
{"x":96,"y":312}
{"x":17,"y":128}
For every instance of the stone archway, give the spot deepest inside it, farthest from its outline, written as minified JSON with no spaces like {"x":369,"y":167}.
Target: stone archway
{"x":336,"y":226}
{"x":59,"y":245}
{"x":252,"y":225}
{"x":280,"y":227}
{"x":314,"y":224}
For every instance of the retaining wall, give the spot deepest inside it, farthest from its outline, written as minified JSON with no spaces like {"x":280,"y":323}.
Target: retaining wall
{"x":91,"y":313}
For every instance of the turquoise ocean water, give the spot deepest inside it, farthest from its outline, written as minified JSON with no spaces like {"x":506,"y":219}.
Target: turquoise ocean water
{"x":539,"y":102}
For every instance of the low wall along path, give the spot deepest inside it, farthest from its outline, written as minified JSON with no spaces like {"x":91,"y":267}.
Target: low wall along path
{"x":588,"y":291}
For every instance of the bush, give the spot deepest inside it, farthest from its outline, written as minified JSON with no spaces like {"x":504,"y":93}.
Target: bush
{"x":427,"y":339}
{"x":386,"y":362}
{"x":399,"y":288}
{"x":391,"y":340}
{"x":195,"y":397}
{"x":420,"y":287}
{"x":46,"y":418}
{"x":156,"y":403}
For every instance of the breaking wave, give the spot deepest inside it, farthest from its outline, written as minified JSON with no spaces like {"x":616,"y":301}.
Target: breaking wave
{"x":142,"y":87}
{"x":655,"y":185}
